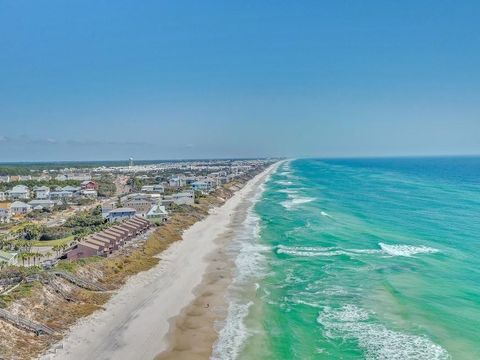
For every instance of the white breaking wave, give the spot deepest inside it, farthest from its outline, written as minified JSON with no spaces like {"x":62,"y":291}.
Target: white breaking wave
{"x":388,"y":250}
{"x":284,"y":182}
{"x":406,"y":250}
{"x":296,"y":201}
{"x":249,"y":263}
{"x":288,"y":191}
{"x":233,"y":334}
{"x":352,"y":323}
{"x":323,"y":213}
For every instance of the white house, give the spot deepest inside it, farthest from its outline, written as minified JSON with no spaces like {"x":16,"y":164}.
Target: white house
{"x":121,"y":214}
{"x":201,"y":186}
{"x":42,"y":192}
{"x":72,"y":189}
{"x":5,"y":178}
{"x":39,"y":204}
{"x":184,"y":198}
{"x":177,"y":181}
{"x":19,"y":208}
{"x":3,"y":196}
{"x":157,"y":188}
{"x":19,"y":192}
{"x":90,"y":193}
{"x":157,"y":212}
{"x":62,"y":194}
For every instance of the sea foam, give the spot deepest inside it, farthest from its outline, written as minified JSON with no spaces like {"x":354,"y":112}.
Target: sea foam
{"x":249,"y":263}
{"x":353,"y":323}
{"x":296,"y":201}
{"x":406,"y":250}
{"x":386,"y":250}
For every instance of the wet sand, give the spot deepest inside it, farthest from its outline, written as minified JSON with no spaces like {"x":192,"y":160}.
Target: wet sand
{"x":194,"y":332}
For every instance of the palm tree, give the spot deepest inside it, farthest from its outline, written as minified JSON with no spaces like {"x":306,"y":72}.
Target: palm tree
{"x":56,"y":248}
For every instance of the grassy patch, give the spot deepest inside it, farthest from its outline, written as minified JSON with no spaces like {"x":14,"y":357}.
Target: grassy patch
{"x":73,"y":265}
{"x":22,"y":291}
{"x":51,"y":243}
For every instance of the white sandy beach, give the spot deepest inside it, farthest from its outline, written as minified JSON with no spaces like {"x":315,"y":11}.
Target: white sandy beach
{"x":135,"y":322}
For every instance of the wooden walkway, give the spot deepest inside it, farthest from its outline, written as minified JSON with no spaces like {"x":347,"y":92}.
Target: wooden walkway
{"x":25,"y":324}
{"x":83,"y":283}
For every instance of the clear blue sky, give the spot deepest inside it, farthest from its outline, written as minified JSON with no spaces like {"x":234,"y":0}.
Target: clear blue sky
{"x":191,"y":79}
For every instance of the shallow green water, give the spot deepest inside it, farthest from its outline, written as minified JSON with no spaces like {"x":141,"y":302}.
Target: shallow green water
{"x":359,"y":259}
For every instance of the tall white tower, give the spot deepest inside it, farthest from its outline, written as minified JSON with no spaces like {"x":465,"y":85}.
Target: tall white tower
{"x":130,"y":162}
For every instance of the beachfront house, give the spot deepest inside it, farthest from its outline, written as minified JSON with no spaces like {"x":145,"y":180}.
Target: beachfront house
{"x":140,"y":202}
{"x":184,"y":198}
{"x":20,"y":208}
{"x":19,"y":192}
{"x":201,"y":186}
{"x":121,"y":214}
{"x":157,"y":213}
{"x":8,"y":258}
{"x":42,"y":192}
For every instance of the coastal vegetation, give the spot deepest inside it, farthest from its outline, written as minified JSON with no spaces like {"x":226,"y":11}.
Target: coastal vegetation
{"x":111,"y":272}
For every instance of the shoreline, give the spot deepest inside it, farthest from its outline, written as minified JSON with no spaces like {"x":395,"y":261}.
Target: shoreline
{"x":137,"y":319}
{"x":193,"y":333}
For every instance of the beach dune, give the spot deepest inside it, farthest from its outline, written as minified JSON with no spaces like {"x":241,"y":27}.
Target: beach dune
{"x":136,"y":320}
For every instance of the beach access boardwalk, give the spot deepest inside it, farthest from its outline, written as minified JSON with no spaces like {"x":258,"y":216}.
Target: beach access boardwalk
{"x":25,"y":324}
{"x":80,"y":282}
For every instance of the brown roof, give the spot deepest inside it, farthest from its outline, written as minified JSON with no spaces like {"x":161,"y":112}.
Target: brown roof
{"x":90,"y":245}
{"x":96,"y":242}
{"x":131,"y":226}
{"x":105,"y":235}
{"x":115,"y":233}
{"x":118,"y":229}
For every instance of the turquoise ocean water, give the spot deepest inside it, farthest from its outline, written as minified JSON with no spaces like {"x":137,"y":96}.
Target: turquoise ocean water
{"x":359,"y":259}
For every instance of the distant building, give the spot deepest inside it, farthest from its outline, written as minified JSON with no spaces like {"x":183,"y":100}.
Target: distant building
{"x":42,"y":192}
{"x":201,"y":186}
{"x":158,"y":188}
{"x":90,"y":193}
{"x":55,"y":195}
{"x":73,"y":176}
{"x":40,"y":204}
{"x":89,"y":185}
{"x":141,"y":205}
{"x":184,"y":198}
{"x":177,"y":181}
{"x":121,"y":214}
{"x":3,"y":196}
{"x":20,"y":208}
{"x":19,"y":192}
{"x":72,"y":189}
{"x":4,"y":179}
